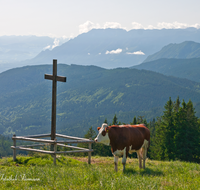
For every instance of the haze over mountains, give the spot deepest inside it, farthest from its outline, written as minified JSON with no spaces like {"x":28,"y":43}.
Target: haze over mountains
{"x":179,"y":60}
{"x":112,"y":48}
{"x":99,"y":46}
{"x":93,"y":93}
{"x":14,"y":49}
{"x":184,"y":50}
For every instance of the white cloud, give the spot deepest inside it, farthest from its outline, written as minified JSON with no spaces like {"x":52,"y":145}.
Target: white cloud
{"x":136,"y":53}
{"x":117,"y":51}
{"x":47,"y":47}
{"x":176,"y":25}
{"x":196,"y":26}
{"x":55,"y":43}
{"x":88,"y":53}
{"x":161,"y":25}
{"x":136,"y":25}
{"x":112,"y":25}
{"x":87,"y":26}
{"x":99,"y":53}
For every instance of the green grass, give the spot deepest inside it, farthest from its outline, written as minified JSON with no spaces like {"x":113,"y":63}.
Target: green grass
{"x":38,"y":172}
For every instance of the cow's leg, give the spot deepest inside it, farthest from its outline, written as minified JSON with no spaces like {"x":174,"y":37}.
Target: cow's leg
{"x":144,"y":156}
{"x":116,"y":162}
{"x":145,"y":153}
{"x":139,"y":158}
{"x":124,"y":158}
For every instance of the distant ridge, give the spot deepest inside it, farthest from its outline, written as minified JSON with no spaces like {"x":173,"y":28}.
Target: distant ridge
{"x":184,"y":50}
{"x":183,"y":68}
{"x":106,"y":48}
{"x":134,"y":47}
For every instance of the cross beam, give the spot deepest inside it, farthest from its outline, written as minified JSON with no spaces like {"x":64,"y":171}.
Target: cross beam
{"x":54,"y":79}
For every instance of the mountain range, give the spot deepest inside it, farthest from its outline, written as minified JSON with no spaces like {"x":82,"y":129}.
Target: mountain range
{"x":184,"y":50}
{"x":93,"y":93}
{"x":90,"y":95}
{"x":183,"y":68}
{"x":109,"y":48}
{"x":14,"y":49}
{"x":99,"y":46}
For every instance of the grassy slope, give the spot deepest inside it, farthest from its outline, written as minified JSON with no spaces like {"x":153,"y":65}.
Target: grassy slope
{"x":74,"y":173}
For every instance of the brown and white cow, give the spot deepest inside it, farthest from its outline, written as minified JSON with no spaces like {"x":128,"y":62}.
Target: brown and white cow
{"x":125,"y":139}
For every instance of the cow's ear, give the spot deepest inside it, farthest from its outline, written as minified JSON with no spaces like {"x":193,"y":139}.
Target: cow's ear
{"x":98,"y":128}
{"x":106,"y":129}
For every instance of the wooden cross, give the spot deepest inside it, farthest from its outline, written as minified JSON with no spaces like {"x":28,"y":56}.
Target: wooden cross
{"x":54,"y":79}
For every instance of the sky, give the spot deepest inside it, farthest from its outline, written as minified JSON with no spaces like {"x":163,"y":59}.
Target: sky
{"x":69,"y":18}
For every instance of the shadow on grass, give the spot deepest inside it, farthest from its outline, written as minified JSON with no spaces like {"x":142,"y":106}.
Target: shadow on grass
{"x":130,"y":171}
{"x":146,"y":171}
{"x":22,"y":161}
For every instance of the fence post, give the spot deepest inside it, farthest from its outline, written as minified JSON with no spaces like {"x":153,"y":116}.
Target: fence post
{"x":89,"y":153}
{"x":55,"y":149}
{"x":14,"y":150}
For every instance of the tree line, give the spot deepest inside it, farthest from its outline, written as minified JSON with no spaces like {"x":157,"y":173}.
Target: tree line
{"x":5,"y":144}
{"x":174,"y":136}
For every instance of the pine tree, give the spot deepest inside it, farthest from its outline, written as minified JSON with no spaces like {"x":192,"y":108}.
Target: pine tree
{"x":157,"y":148}
{"x":181,"y":132}
{"x":115,"y":122}
{"x":140,"y":119}
{"x":90,"y":133}
{"x":168,"y":125}
{"x":134,"y":121}
{"x":187,"y":137}
{"x":106,"y":121}
{"x":177,"y":104}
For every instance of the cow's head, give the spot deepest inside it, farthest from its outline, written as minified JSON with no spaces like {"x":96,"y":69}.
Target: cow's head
{"x":102,"y":137}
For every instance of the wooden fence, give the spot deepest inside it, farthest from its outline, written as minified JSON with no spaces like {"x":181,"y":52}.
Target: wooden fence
{"x":55,"y":143}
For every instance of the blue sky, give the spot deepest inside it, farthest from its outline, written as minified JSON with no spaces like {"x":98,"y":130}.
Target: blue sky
{"x":69,"y":18}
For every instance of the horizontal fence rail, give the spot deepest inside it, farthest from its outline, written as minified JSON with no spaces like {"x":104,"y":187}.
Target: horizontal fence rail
{"x":36,"y":138}
{"x":33,"y":145}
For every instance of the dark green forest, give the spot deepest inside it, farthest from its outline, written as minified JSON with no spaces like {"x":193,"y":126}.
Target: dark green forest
{"x":93,"y":95}
{"x":183,"y":68}
{"x":90,"y":95}
{"x":174,"y":136}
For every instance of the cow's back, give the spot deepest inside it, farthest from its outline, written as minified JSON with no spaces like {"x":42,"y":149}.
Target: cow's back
{"x":128,"y":136}
{"x":144,"y":130}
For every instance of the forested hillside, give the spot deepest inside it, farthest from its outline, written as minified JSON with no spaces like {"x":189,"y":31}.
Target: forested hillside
{"x":90,"y":95}
{"x":184,"y":50}
{"x":183,"y":68}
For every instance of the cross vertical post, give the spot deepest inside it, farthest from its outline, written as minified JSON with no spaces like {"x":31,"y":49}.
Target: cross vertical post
{"x":54,"y":90}
{"x":54,"y":79}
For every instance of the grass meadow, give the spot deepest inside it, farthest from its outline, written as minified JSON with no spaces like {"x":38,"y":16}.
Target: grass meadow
{"x":38,"y":172}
